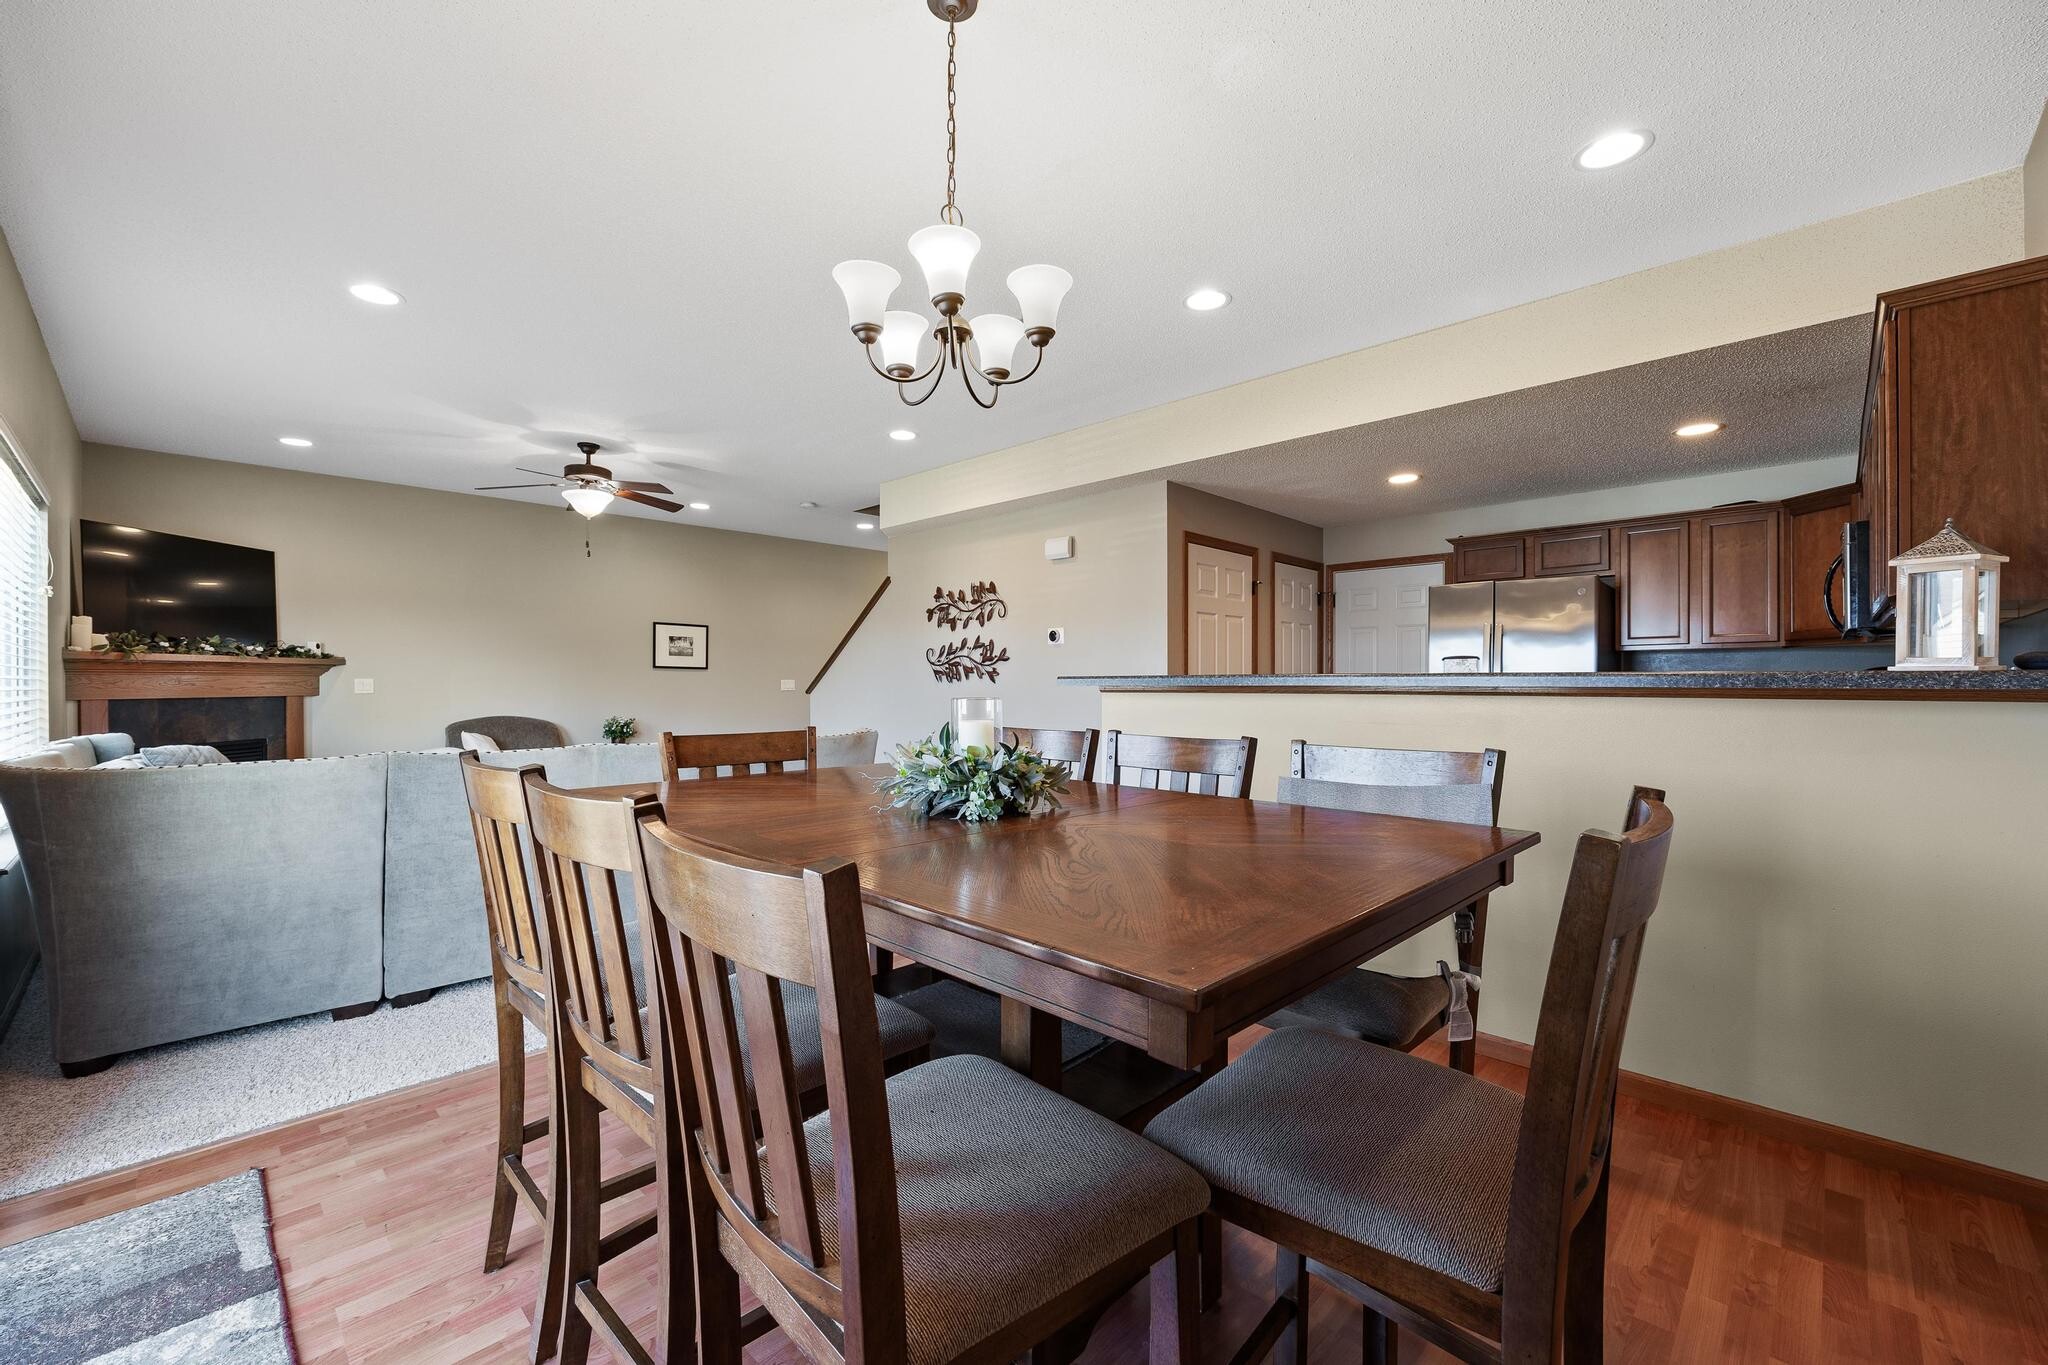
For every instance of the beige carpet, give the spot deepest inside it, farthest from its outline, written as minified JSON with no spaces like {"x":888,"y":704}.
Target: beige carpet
{"x":168,"y":1099}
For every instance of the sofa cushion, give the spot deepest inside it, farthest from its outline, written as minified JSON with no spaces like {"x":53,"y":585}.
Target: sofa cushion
{"x":75,"y":752}
{"x":586,"y":765}
{"x":131,"y":761}
{"x":434,"y":929}
{"x":178,"y":755}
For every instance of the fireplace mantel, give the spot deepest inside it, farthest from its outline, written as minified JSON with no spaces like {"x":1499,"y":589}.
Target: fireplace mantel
{"x":92,"y":678}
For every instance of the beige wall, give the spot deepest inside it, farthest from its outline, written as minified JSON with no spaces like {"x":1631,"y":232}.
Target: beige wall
{"x":37,"y":421}
{"x":1843,"y":934}
{"x":1189,"y":509}
{"x":1110,"y":598}
{"x":462,"y":606}
{"x":1428,"y":532}
{"x":1830,"y":270}
{"x":2035,"y":174}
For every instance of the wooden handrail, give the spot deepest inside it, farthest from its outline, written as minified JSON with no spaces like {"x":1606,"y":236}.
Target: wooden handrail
{"x":844,"y":639}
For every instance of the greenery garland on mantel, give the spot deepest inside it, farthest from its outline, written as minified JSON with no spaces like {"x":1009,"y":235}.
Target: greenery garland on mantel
{"x":132,"y":643}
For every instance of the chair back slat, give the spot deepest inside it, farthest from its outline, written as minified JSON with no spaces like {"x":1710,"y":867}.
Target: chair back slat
{"x":772,"y":925}
{"x":1204,"y":767}
{"x":497,"y":818}
{"x":586,"y":844}
{"x":1075,"y":748}
{"x":737,"y":753}
{"x":1427,"y":784}
{"x":1568,"y":1109}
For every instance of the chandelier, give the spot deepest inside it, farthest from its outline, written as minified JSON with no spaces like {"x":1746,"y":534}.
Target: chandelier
{"x":983,"y":346}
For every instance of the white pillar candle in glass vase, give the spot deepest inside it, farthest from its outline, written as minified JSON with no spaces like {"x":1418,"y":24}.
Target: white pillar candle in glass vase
{"x":977,"y":722}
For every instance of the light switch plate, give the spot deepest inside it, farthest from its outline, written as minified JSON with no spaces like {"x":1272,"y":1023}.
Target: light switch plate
{"x":366,"y":684}
{"x":789,"y":684}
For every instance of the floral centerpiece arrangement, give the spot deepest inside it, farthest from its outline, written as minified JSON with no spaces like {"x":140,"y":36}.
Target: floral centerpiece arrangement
{"x":133,"y":642}
{"x":619,"y":729}
{"x":934,"y":777}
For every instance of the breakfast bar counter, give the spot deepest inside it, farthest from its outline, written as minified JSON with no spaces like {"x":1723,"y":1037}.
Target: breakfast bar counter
{"x":1870,"y":685}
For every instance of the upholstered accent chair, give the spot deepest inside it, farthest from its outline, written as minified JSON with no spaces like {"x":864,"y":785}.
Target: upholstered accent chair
{"x":511,"y":732}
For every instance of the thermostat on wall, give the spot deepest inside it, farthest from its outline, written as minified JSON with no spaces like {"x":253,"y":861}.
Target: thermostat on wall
{"x":1060,"y":547}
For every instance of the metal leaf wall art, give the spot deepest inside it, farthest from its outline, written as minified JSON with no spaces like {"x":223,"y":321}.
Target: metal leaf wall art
{"x":976,"y":605}
{"x":964,"y":659}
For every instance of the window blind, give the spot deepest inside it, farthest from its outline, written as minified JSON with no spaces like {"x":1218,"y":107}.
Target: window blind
{"x":24,"y":611}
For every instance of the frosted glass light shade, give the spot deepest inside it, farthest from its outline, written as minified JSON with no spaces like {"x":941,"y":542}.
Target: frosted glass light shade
{"x":587,"y":501}
{"x":996,"y":336}
{"x":867,"y":286}
{"x":944,"y":251}
{"x":1039,"y":289}
{"x":902,"y":339}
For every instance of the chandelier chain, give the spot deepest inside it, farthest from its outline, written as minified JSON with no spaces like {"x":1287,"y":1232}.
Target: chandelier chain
{"x":951,"y":212}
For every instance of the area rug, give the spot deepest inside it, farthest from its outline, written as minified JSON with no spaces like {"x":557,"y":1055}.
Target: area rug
{"x":188,"y":1278}
{"x":170,"y":1099}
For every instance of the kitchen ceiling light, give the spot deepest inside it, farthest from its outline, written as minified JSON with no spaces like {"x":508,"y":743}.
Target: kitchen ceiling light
{"x":369,"y":292}
{"x":1402,"y":479}
{"x":1691,"y":429}
{"x":700,"y":507}
{"x":586,"y":500}
{"x":1207,"y":300}
{"x":296,"y":441}
{"x":903,"y":434}
{"x":1609,"y":150}
{"x":983,"y":347}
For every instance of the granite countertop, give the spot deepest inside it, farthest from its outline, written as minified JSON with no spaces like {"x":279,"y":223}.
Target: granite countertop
{"x":2007,"y":685}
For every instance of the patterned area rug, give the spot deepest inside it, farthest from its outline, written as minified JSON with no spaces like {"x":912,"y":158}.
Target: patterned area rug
{"x":188,"y":1278}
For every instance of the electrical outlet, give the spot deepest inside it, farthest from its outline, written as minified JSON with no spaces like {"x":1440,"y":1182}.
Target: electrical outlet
{"x":789,"y":684}
{"x":366,"y":684}
{"x":1056,"y":636}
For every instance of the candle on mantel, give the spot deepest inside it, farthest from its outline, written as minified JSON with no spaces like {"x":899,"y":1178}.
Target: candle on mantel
{"x":976,"y":722}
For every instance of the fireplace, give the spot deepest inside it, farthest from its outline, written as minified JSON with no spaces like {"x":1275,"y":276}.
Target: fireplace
{"x":248,"y":708}
{"x":243,"y":728}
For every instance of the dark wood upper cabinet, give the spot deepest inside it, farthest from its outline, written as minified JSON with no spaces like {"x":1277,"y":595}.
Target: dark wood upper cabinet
{"x":1578,"y":549}
{"x":1489,"y":558}
{"x":1956,"y":420}
{"x":1813,"y":537}
{"x":1735,"y":574}
{"x":1654,"y":562}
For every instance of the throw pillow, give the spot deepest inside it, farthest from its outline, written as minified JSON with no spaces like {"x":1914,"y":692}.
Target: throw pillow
{"x":179,"y":755}
{"x":483,"y":744}
{"x":127,"y":761}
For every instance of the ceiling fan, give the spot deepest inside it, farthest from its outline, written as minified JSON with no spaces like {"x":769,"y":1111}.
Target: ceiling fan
{"x":589,"y":488}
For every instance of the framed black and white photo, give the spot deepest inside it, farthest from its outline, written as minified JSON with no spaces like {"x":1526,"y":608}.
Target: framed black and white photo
{"x":681,"y":646}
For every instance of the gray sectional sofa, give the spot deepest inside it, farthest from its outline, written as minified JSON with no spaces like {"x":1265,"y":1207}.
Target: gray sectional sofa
{"x":171,"y":903}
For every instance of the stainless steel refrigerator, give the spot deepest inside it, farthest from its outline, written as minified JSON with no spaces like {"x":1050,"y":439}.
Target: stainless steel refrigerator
{"x":1524,"y":625}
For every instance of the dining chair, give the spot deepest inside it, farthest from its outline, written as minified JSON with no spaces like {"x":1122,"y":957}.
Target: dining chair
{"x":588,"y":850}
{"x":774,"y":750}
{"x":520,"y":995}
{"x":1204,"y":767}
{"x":850,"y":749}
{"x":1428,"y":784}
{"x":953,"y":1212}
{"x":1075,"y":748}
{"x":1471,"y":1215}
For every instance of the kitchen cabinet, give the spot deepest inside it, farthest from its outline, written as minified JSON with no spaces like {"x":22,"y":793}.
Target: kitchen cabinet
{"x":1813,"y":537}
{"x":1485,"y":560}
{"x":1653,"y":560}
{"x":1735,"y":577}
{"x":1576,"y":549}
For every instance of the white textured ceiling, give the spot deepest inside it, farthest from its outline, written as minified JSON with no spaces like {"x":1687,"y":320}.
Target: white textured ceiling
{"x":618,"y":220}
{"x":1797,"y":395}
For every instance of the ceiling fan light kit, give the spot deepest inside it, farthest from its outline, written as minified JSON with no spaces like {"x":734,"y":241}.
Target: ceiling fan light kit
{"x":589,"y":488}
{"x":984,"y":346}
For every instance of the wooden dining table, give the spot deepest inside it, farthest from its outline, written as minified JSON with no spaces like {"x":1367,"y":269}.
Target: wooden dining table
{"x":1165,"y":920}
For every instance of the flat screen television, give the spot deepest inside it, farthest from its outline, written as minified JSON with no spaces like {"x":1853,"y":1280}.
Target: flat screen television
{"x":161,"y":584}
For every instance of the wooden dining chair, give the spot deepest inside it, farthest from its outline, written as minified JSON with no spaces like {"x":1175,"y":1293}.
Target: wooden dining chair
{"x":1473,"y":1216}
{"x":520,"y":995}
{"x":587,"y":848}
{"x":953,"y":1212}
{"x":1204,"y":767}
{"x":1428,"y":784}
{"x":774,"y":750}
{"x":1075,"y":748}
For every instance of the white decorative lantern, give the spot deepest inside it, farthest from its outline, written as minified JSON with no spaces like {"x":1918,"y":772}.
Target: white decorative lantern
{"x":977,"y":723}
{"x":1948,"y":603}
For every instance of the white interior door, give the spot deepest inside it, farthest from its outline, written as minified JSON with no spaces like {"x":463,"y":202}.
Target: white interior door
{"x":1294,"y":618}
{"x":1380,"y":618}
{"x":1219,"y":610}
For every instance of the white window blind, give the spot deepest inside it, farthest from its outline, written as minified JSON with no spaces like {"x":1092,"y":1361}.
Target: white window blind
{"x":24,"y":611}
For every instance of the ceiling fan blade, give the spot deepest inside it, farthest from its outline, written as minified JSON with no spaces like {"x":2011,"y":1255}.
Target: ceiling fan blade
{"x":630,"y":496}
{"x":494,"y":487}
{"x":633,"y":486}
{"x":538,"y":473}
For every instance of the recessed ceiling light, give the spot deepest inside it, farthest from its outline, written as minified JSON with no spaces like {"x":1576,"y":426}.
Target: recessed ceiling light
{"x":1207,"y":300}
{"x":700,"y":507}
{"x":863,"y":526}
{"x":903,"y":434}
{"x":1698,"y":429}
{"x":376,"y":293}
{"x":1402,"y":478}
{"x":1611,"y":149}
{"x":293,"y":441}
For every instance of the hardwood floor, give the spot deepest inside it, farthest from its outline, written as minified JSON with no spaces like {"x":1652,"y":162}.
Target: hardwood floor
{"x":1726,"y":1245}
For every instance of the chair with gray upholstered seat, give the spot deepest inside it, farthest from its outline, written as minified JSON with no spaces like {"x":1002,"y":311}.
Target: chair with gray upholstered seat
{"x":1473,"y":1216}
{"x":852,"y":749}
{"x":953,"y":1212}
{"x":510,"y":732}
{"x":1399,"y":1011}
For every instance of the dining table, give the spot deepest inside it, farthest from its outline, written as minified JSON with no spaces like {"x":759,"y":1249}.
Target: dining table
{"x":1159,"y":918}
